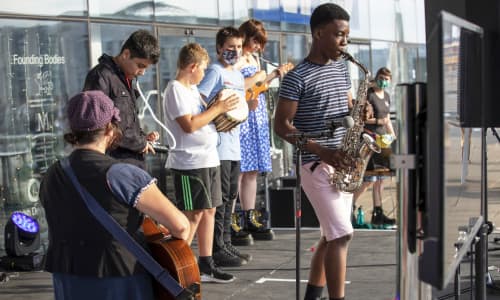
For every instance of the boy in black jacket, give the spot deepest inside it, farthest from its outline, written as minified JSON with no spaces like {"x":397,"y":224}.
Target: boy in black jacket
{"x":114,"y":76}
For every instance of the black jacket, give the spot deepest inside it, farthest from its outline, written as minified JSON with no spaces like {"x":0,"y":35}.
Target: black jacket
{"x":108,"y":77}
{"x":78,"y":243}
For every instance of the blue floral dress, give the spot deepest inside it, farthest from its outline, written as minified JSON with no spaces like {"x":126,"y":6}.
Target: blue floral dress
{"x":254,"y":135}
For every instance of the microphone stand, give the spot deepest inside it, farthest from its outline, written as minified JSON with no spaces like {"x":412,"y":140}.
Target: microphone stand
{"x":299,"y":144}
{"x":300,"y":141}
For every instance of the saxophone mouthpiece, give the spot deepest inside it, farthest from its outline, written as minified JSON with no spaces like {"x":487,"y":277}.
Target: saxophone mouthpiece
{"x":346,"y":55}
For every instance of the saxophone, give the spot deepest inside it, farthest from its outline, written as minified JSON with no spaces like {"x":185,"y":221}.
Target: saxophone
{"x":357,"y":144}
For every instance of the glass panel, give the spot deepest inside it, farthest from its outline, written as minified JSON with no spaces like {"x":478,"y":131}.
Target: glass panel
{"x":241,"y":11}
{"x":171,"y":42}
{"x":267,"y":11}
{"x":232,"y":12}
{"x":422,"y":64}
{"x":123,"y":9}
{"x":406,"y":19}
{"x":360,"y":52}
{"x":407,"y":66}
{"x":46,"y":7}
{"x":295,"y":15}
{"x":38,"y":75}
{"x":385,"y":54}
{"x":295,"y":48}
{"x":109,"y":38}
{"x":187,"y":12}
{"x":382,"y":20}
{"x":271,"y":59}
{"x":360,"y":19}
{"x":420,"y":22}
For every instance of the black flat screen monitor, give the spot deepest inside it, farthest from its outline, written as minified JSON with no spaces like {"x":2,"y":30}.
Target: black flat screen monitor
{"x":453,"y":154}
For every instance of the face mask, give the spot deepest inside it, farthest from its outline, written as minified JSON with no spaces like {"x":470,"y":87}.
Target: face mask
{"x":382,"y":83}
{"x":231,"y":57}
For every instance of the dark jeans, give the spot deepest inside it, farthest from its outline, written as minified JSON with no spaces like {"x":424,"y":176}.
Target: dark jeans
{"x":229,"y":173}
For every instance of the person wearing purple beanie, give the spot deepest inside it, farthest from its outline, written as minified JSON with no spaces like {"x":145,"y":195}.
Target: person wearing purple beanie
{"x":86,"y":262}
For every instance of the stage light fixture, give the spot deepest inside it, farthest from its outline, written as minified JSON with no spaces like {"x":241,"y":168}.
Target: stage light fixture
{"x":22,"y":235}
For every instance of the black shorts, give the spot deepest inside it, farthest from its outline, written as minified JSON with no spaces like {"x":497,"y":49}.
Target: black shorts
{"x":197,"y":189}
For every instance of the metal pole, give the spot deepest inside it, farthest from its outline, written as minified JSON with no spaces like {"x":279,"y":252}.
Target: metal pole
{"x":300,"y":142}
{"x":481,"y":250}
{"x":406,"y":260}
{"x":410,"y":103}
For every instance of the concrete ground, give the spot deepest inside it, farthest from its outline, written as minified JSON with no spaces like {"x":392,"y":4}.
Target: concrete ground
{"x":271,"y":274}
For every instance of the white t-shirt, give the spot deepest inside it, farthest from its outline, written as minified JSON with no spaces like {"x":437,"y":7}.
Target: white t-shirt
{"x":193,"y":150}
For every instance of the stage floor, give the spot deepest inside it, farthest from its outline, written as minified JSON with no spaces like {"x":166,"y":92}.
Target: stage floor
{"x":371,"y":271}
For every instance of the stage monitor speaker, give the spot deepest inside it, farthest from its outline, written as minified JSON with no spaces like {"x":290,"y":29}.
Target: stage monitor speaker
{"x":282,"y":209}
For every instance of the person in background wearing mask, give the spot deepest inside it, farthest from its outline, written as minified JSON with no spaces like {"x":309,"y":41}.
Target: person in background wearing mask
{"x":224,"y":74}
{"x":380,"y":125}
{"x":114,"y":76}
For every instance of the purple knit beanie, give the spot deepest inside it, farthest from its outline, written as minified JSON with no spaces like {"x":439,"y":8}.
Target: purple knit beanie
{"x":91,"y":110}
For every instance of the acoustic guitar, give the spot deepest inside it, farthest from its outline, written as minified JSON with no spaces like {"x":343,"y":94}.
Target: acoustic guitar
{"x":175,"y":256}
{"x":262,"y":86}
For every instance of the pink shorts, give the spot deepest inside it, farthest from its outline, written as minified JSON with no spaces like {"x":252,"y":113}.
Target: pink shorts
{"x":332,"y":207}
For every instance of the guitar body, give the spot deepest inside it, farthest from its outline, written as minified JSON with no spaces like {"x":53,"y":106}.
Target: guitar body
{"x":260,"y":87}
{"x":174,"y":255}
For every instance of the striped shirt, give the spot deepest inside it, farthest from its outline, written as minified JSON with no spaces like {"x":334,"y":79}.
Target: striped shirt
{"x":321,"y":92}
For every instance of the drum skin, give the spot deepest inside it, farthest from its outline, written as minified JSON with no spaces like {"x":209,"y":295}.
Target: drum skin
{"x":227,"y":121}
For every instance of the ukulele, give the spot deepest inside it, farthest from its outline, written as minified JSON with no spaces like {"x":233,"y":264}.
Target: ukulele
{"x":175,"y":256}
{"x":262,"y":86}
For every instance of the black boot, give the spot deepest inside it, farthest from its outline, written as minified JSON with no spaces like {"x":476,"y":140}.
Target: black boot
{"x":239,"y":237}
{"x":257,"y":229}
{"x":379,"y":218}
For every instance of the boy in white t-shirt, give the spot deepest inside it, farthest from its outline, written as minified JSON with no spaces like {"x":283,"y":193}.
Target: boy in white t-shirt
{"x":195,"y":161}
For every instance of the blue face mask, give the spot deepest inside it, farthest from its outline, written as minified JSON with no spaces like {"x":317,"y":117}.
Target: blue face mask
{"x":231,"y":57}
{"x":383,"y":84}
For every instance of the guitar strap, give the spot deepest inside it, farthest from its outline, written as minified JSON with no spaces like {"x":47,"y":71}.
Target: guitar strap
{"x":146,"y":260}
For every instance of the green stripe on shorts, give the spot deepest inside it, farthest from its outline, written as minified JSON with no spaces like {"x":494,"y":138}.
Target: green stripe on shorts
{"x":186,"y":193}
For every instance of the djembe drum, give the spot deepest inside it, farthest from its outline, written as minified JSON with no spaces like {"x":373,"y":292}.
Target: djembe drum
{"x":227,"y":121}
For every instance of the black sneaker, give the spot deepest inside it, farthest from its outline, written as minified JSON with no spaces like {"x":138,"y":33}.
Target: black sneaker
{"x":244,"y":256}
{"x":224,"y":258}
{"x":210,"y":273}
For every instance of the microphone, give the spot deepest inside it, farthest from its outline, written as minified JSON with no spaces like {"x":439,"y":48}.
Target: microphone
{"x":345,"y":122}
